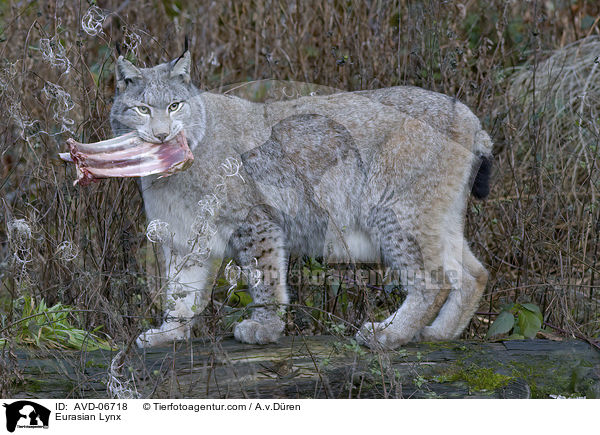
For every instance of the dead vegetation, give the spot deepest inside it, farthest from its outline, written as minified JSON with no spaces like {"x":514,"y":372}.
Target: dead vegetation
{"x":530,"y":70}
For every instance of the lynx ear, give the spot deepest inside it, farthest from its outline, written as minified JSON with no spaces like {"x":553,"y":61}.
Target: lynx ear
{"x":181,"y":67}
{"x":125,"y":73}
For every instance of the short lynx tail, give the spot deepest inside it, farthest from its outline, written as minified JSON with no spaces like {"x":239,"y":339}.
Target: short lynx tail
{"x":483,"y":148}
{"x":481,"y":183}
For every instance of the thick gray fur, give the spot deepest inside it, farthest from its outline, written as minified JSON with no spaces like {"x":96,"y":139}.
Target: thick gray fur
{"x":367,"y":176}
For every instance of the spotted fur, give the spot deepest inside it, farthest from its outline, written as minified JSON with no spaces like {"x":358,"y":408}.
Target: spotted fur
{"x":367,"y":176}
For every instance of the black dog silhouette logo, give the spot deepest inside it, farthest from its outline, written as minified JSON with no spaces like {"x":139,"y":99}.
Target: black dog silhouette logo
{"x":26,"y":414}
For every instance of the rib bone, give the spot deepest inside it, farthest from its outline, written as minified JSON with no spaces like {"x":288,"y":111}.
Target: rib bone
{"x":127,"y":156}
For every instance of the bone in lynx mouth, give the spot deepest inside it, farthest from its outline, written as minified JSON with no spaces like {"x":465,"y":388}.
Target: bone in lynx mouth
{"x":127,"y":156}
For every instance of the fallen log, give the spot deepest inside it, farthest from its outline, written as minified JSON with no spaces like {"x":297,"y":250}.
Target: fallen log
{"x":318,"y":367}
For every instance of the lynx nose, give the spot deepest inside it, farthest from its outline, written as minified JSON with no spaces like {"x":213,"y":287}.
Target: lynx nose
{"x":161,"y":136}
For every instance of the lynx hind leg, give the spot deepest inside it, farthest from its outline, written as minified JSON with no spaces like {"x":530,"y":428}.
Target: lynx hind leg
{"x":468,"y":278}
{"x":259,"y":250}
{"x":416,"y":260}
{"x":185,"y":296}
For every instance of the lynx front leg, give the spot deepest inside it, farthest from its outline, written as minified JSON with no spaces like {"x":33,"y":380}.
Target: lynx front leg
{"x":185,"y":297}
{"x":259,"y":248}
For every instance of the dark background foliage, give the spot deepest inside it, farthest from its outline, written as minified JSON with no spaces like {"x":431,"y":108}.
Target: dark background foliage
{"x":86,"y":247}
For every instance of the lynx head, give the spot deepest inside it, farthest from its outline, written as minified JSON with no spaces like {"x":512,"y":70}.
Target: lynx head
{"x":157,"y":102}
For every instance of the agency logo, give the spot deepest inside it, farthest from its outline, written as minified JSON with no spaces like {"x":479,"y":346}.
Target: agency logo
{"x":26,"y":414}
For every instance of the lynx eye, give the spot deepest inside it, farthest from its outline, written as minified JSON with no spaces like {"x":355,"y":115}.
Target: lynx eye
{"x":174,"y":107}
{"x":142,"y":110}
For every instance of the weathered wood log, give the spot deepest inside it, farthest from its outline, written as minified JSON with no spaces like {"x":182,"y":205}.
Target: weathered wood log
{"x":321,"y":367}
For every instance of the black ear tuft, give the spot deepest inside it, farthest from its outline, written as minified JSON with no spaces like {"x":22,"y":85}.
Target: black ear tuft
{"x":181,"y":66}
{"x":118,"y":48}
{"x":185,"y":50}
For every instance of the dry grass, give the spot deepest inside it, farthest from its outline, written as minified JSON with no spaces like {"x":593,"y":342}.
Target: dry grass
{"x":549,"y":190}
{"x":516,"y":64}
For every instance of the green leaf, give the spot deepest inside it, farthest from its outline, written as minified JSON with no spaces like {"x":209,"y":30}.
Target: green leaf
{"x":245,"y":298}
{"x":531,"y":307}
{"x":534,"y":309}
{"x":529,"y":323}
{"x":503,"y":323}
{"x":507,"y":307}
{"x":33,"y":327}
{"x":335,"y":285}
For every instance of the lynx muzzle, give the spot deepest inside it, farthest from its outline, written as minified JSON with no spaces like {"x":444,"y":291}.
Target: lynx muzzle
{"x":127,"y":156}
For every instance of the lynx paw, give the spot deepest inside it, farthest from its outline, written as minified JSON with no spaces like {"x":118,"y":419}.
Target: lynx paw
{"x":167,"y":333}
{"x":252,"y":332}
{"x":380,"y":336}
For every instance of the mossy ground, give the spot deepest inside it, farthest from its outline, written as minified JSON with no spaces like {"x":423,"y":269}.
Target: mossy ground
{"x":477,"y":378}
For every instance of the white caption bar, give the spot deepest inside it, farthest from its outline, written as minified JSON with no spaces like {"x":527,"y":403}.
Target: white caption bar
{"x":151,"y":416}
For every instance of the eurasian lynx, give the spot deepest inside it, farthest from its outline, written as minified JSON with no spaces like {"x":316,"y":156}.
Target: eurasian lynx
{"x":378,"y":176}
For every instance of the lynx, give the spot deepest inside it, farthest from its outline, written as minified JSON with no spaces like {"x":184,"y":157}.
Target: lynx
{"x":371,"y":176}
